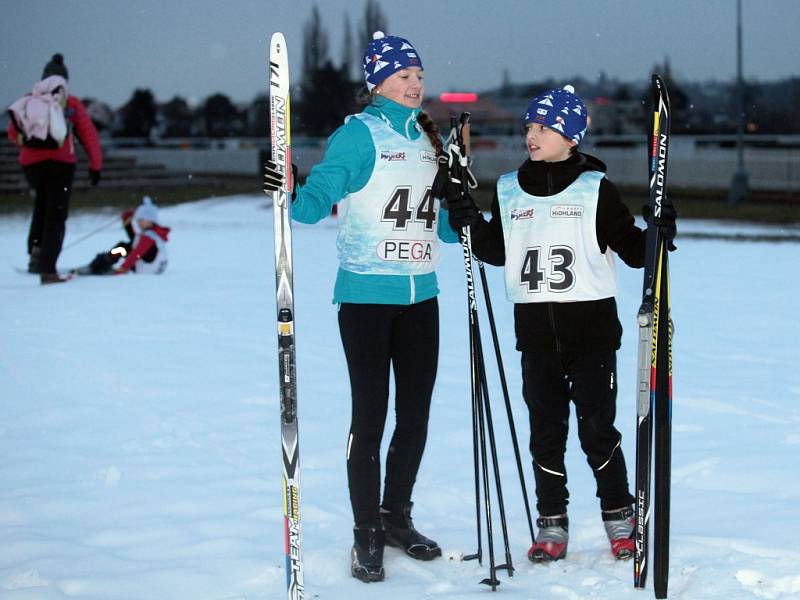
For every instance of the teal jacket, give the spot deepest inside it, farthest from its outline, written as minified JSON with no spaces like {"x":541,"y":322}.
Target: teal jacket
{"x":346,"y":168}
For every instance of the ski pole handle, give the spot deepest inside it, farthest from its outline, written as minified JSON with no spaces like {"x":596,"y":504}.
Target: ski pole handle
{"x":465,"y":133}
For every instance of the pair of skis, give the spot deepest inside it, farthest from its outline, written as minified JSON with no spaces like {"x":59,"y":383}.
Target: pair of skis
{"x":287,"y":378}
{"x":654,"y":390}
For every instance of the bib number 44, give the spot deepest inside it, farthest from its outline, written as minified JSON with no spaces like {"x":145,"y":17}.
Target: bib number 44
{"x":556,"y":275}
{"x":399,"y":211}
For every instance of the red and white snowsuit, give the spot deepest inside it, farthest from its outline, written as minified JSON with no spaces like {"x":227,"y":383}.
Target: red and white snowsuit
{"x":149,"y":251}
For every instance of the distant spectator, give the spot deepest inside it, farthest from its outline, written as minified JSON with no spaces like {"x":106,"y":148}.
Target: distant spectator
{"x":144,"y":252}
{"x":42,"y":124}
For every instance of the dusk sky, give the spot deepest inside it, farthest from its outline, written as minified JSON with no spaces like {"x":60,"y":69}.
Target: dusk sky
{"x":194,"y":48}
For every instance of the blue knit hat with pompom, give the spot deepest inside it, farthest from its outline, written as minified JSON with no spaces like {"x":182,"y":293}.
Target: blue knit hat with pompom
{"x":561,"y":110}
{"x":385,"y":55}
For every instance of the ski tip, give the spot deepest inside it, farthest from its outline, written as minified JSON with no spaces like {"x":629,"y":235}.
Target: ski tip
{"x":278,"y":42}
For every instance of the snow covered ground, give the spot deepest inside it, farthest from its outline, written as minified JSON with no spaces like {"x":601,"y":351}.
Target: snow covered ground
{"x":139,"y":435}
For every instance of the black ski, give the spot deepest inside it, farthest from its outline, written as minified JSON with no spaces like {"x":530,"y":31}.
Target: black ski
{"x":287,"y":383}
{"x":654,"y":385}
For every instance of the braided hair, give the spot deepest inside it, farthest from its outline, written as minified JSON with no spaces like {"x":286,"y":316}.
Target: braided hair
{"x":432,"y":130}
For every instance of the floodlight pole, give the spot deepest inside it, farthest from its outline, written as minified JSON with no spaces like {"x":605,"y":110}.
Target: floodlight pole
{"x":739,"y":190}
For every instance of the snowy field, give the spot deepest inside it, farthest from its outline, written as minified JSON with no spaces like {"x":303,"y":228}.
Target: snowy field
{"x":139,"y":433}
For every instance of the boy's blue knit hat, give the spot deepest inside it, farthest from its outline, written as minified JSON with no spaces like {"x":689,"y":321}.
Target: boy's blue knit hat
{"x":561,"y":110}
{"x":385,"y":55}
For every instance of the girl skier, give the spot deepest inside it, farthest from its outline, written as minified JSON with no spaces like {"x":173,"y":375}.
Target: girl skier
{"x":379,"y":167}
{"x":556,"y":223}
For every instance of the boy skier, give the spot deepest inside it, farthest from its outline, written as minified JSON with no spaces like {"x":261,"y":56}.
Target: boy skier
{"x":556,"y":224}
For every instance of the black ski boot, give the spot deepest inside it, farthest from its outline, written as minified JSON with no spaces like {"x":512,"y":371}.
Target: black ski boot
{"x":400,"y":533}
{"x":367,"y":554}
{"x":34,"y":263}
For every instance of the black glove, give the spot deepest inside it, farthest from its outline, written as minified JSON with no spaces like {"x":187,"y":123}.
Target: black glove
{"x":461,"y":209}
{"x":273,"y":178}
{"x":94,"y":177}
{"x":439,"y":187}
{"x":665,"y":222}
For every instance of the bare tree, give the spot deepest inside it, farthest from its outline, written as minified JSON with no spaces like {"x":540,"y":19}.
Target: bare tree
{"x":347,"y":47}
{"x":374,"y":20}
{"x":315,"y":44}
{"x":326,"y":93}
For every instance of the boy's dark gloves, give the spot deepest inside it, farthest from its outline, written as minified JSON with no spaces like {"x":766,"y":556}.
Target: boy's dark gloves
{"x":94,"y":177}
{"x":439,"y":187}
{"x":665,"y":222}
{"x":273,"y":178}
{"x":461,"y":209}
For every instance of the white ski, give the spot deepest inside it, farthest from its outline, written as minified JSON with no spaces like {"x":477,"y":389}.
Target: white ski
{"x":281,"y":154}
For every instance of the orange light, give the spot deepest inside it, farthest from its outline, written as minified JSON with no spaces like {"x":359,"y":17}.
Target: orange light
{"x":463,"y":97}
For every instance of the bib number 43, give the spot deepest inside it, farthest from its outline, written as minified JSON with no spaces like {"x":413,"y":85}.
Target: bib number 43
{"x":556,"y":274}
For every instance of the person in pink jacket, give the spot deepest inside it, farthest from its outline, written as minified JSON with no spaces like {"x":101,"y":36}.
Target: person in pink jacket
{"x":50,"y":172}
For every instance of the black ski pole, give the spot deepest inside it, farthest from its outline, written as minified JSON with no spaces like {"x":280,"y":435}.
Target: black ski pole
{"x":459,"y":173}
{"x":475,"y":453}
{"x":478,"y":555}
{"x":91,"y":233}
{"x":504,"y":385}
{"x":474,"y":378}
{"x":492,"y":579}
{"x":508,"y":566}
{"x":464,"y":145}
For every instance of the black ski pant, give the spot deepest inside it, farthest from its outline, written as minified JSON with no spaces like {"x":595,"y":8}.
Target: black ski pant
{"x":52,"y":182}
{"x":103,"y":263}
{"x":376,"y":337}
{"x":589,"y":379}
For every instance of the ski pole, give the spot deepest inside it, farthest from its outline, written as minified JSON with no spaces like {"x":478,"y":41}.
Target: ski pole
{"x":460,"y":173}
{"x":474,"y":383}
{"x":475,"y":457}
{"x":506,"y":397}
{"x":464,"y":143}
{"x":91,"y":233}
{"x":487,"y":496}
{"x":508,"y":566}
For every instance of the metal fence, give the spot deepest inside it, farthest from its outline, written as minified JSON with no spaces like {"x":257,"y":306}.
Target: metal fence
{"x":696,"y":162}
